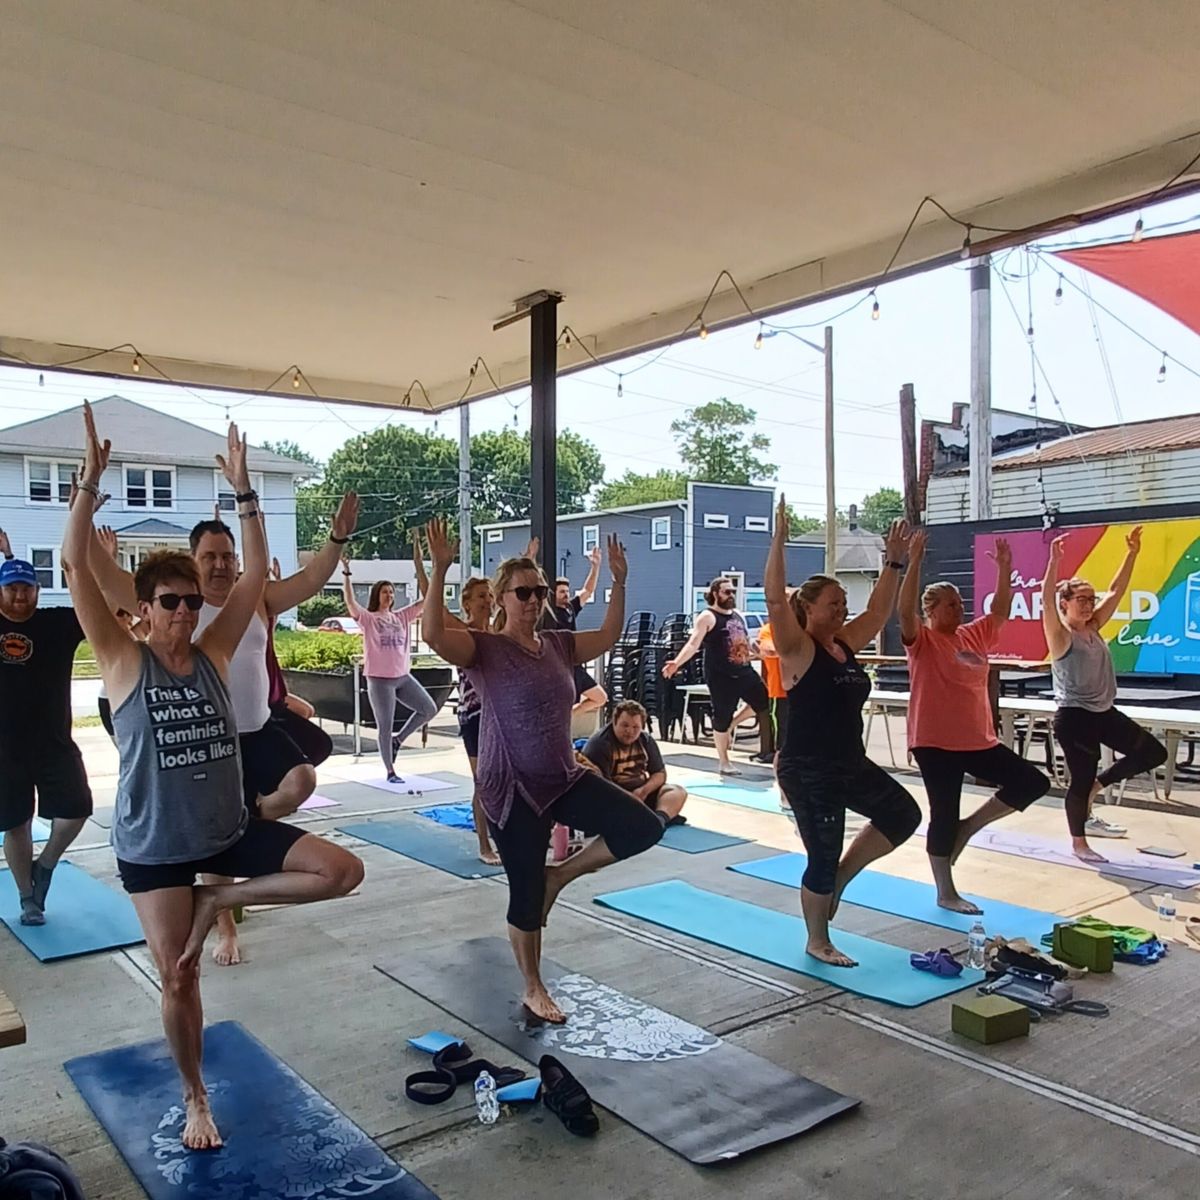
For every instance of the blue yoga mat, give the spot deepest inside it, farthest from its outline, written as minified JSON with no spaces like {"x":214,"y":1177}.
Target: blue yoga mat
{"x":282,"y":1137}
{"x":453,"y":816}
{"x":83,"y":915}
{"x":765,"y":799}
{"x":41,"y":830}
{"x":692,"y":840}
{"x":446,"y":849}
{"x":910,"y":899}
{"x":883,"y":973}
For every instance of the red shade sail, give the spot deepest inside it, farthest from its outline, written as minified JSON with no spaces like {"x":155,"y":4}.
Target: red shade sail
{"x":1163,"y":270}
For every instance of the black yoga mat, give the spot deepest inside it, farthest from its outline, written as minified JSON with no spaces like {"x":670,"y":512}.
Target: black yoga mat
{"x":679,"y":1084}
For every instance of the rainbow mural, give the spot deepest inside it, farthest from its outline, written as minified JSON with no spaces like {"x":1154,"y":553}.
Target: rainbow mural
{"x":1156,"y":628}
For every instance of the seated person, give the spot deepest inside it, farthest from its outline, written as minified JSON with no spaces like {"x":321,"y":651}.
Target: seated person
{"x":626,"y":754}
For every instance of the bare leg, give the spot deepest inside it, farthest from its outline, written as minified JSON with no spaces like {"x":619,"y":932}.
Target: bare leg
{"x":63,"y":832}
{"x":226,"y":952}
{"x":816,"y":909}
{"x":527,"y":950}
{"x":593,"y":699}
{"x":992,"y":809}
{"x":869,"y":845}
{"x":722,"y":741}
{"x":671,"y":800}
{"x":18,"y":853}
{"x":487,"y":852}
{"x":295,"y":787}
{"x":1084,"y":852}
{"x":592,"y":857}
{"x":947,"y":893}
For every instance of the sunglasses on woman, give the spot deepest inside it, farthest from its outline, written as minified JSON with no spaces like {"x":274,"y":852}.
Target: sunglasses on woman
{"x":171,"y":601}
{"x":525,"y":594}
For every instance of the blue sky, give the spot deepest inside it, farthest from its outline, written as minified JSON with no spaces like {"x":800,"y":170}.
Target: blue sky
{"x":922,"y":338}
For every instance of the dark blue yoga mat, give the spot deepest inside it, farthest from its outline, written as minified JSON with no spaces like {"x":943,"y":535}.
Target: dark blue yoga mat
{"x":692,"y":840}
{"x":884,"y":972}
{"x":447,"y":849}
{"x":911,"y":899}
{"x":83,"y":916}
{"x":282,"y":1137}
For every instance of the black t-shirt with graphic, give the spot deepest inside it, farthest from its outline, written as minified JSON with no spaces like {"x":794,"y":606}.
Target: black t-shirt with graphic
{"x":727,"y":645}
{"x":36,"y":660}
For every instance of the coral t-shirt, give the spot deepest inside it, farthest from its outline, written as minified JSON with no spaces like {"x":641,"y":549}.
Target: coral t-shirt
{"x":949,"y":708}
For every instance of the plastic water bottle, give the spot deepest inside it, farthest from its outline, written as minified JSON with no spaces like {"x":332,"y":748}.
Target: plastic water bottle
{"x":977,"y":946}
{"x":1166,"y":915}
{"x":487,"y":1107}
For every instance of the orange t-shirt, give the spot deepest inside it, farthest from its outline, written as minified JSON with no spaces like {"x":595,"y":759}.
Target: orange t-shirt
{"x":772,"y":668}
{"x":948,"y":708}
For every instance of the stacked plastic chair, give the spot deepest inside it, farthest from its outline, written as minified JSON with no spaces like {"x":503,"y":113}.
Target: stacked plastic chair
{"x":663,"y":699}
{"x":622,"y":677}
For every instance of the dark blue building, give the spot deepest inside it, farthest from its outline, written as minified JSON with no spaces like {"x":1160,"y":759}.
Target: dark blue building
{"x":675,"y":547}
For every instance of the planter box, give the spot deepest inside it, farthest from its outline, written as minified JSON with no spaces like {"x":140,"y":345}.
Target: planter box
{"x":331,"y":693}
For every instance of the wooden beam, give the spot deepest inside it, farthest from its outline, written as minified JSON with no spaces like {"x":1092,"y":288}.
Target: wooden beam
{"x":12,"y":1027}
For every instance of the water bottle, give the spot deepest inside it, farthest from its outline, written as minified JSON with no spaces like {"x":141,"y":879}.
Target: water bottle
{"x":977,"y":946}
{"x":1166,"y":915}
{"x":487,"y":1107}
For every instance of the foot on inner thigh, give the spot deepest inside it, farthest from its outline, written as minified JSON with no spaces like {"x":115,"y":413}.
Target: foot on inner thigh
{"x":956,"y":903}
{"x":204,"y":913}
{"x":554,"y":884}
{"x":541,"y":1004}
{"x":200,"y":1130}
{"x":828,"y":953}
{"x":1084,"y":852}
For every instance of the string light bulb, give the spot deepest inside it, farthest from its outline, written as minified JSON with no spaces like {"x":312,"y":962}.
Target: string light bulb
{"x":1162,"y":371}
{"x":41,"y":380}
{"x":1029,"y":333}
{"x":296,"y":379}
{"x":567,"y":341}
{"x":965,"y":252}
{"x":620,"y":386}
{"x":758,"y":341}
{"x":875,"y":308}
{"x":703,"y":331}
{"x":137,"y":363}
{"x":1138,"y":229}
{"x":1058,"y":291}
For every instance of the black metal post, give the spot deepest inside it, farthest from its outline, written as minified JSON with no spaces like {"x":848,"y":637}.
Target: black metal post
{"x":543,"y":428}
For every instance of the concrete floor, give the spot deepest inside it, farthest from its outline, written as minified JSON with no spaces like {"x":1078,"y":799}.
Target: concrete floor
{"x":1079,"y":1108}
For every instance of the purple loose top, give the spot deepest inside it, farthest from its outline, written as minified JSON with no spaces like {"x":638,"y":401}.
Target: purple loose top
{"x":525,"y":747}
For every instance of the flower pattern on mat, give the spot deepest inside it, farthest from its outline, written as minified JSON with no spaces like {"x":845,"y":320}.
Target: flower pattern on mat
{"x":604,"y":1023}
{"x":311,"y":1153}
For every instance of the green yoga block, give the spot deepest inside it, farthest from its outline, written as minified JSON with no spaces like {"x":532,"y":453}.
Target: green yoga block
{"x":1082,"y":947}
{"x":989,"y":1019}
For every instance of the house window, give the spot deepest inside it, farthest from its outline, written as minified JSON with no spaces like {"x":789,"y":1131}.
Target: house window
{"x":758,"y":524}
{"x":47,"y":568}
{"x":660,"y":533}
{"x":225,"y":495}
{"x":607,"y":595}
{"x":591,"y":538}
{"x":716,"y":520}
{"x":47,"y":481}
{"x":495,"y":535}
{"x":150,"y":487}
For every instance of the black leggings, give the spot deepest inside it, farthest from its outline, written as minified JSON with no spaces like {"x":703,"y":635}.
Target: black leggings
{"x":595,"y":806}
{"x":821,"y":790}
{"x":1081,"y":733}
{"x":1019,"y":784}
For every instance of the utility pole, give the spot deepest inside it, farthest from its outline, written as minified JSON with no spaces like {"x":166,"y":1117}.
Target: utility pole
{"x":466,"y":542}
{"x":979,"y":436}
{"x":908,"y":454}
{"x":830,"y":495}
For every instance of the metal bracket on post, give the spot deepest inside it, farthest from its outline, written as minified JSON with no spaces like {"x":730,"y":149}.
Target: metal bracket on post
{"x":357,"y":711}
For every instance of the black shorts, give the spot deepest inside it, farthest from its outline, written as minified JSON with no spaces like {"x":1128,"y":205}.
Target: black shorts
{"x":58,"y":779}
{"x":261,"y":850}
{"x":583,"y":682}
{"x":314,"y":742}
{"x":267,"y":756}
{"x":728,"y":691}
{"x":105,"y":711}
{"x":469,"y":728}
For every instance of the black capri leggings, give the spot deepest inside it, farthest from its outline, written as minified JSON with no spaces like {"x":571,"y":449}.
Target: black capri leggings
{"x":820,"y":791}
{"x":1081,"y":733}
{"x":595,"y":806}
{"x":1019,"y":783}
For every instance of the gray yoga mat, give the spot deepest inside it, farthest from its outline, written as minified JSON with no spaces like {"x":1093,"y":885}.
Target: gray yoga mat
{"x":681,"y":1085}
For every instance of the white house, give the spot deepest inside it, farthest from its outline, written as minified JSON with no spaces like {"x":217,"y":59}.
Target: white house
{"x":162,"y":480}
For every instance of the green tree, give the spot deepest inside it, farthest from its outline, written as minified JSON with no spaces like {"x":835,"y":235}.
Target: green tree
{"x":798,"y":525}
{"x":633,"y":488}
{"x":290,"y":450}
{"x":878,"y":510}
{"x":717,"y":445}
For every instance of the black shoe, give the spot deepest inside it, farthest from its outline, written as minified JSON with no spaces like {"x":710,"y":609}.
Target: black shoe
{"x":566,"y":1098}
{"x":41,"y":877}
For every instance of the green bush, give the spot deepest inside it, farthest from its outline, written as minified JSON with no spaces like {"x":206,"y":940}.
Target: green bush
{"x":299,"y":651}
{"x":324,"y":604}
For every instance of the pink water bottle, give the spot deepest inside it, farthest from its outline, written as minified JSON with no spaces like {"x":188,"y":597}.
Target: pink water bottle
{"x":560,"y":842}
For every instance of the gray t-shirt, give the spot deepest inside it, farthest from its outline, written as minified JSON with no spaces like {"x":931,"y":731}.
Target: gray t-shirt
{"x":1084,"y":676}
{"x":179,"y":793}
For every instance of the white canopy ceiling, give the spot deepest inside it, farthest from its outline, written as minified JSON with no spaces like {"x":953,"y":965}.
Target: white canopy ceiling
{"x":361,"y":187}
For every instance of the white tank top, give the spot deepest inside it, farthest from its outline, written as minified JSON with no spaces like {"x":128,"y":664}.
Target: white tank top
{"x":249,"y":683}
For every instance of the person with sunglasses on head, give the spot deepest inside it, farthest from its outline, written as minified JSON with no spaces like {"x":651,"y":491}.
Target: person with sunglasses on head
{"x":1085,"y":690}
{"x":38,"y":756}
{"x":528,"y":776}
{"x":180,"y":808}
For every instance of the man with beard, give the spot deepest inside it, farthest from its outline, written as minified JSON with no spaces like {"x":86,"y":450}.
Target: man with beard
{"x":37,"y":753}
{"x":721,"y":632}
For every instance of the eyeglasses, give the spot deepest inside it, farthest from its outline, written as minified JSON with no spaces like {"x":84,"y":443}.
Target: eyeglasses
{"x":525,"y":594}
{"x":171,"y":601}
{"x":1083,"y":599}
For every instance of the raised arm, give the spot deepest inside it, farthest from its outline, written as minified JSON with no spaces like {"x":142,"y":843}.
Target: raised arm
{"x":591,"y":643}
{"x":1002,"y":596}
{"x":1058,"y":637}
{"x":308,"y":581}
{"x":786,"y":631}
{"x":220,"y":639}
{"x":114,"y":581}
{"x":419,"y":565}
{"x":5,"y":545}
{"x":1120,"y":583}
{"x":866,"y":626}
{"x":908,"y":605}
{"x":455,"y":645}
{"x":352,"y":605}
{"x":700,"y":629}
{"x":588,"y":590}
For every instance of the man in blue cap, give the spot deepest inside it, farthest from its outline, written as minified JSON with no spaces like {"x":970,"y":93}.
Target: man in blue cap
{"x":37,"y":755}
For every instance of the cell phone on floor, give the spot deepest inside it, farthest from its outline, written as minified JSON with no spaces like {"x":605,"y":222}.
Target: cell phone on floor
{"x":1161,"y":851}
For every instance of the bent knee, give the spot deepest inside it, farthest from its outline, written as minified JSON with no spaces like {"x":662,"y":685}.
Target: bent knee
{"x":346,"y":873}
{"x":299,"y":783}
{"x":902,"y":824}
{"x":179,"y":983}
{"x":1156,"y":753}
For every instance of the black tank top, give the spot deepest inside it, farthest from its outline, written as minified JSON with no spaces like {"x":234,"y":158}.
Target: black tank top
{"x":727,"y":645}
{"x":825,"y":709}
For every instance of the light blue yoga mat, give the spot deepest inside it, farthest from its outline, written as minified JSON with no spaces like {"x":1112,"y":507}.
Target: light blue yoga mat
{"x":447,"y":849}
{"x":83,"y":916}
{"x":41,"y":830}
{"x":911,"y":899}
{"x":883,"y":973}
{"x":765,"y":799}
{"x":692,"y":840}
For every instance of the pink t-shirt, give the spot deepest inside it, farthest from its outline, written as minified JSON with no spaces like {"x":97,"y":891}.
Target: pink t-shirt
{"x":948,"y":708}
{"x":385,"y":639}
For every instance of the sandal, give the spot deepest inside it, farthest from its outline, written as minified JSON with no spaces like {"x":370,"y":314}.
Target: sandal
{"x":566,"y":1098}
{"x":937,"y":962}
{"x":456,"y":1061}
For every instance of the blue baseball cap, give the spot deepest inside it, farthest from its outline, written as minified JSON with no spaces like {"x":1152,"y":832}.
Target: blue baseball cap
{"x":17,"y":570}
